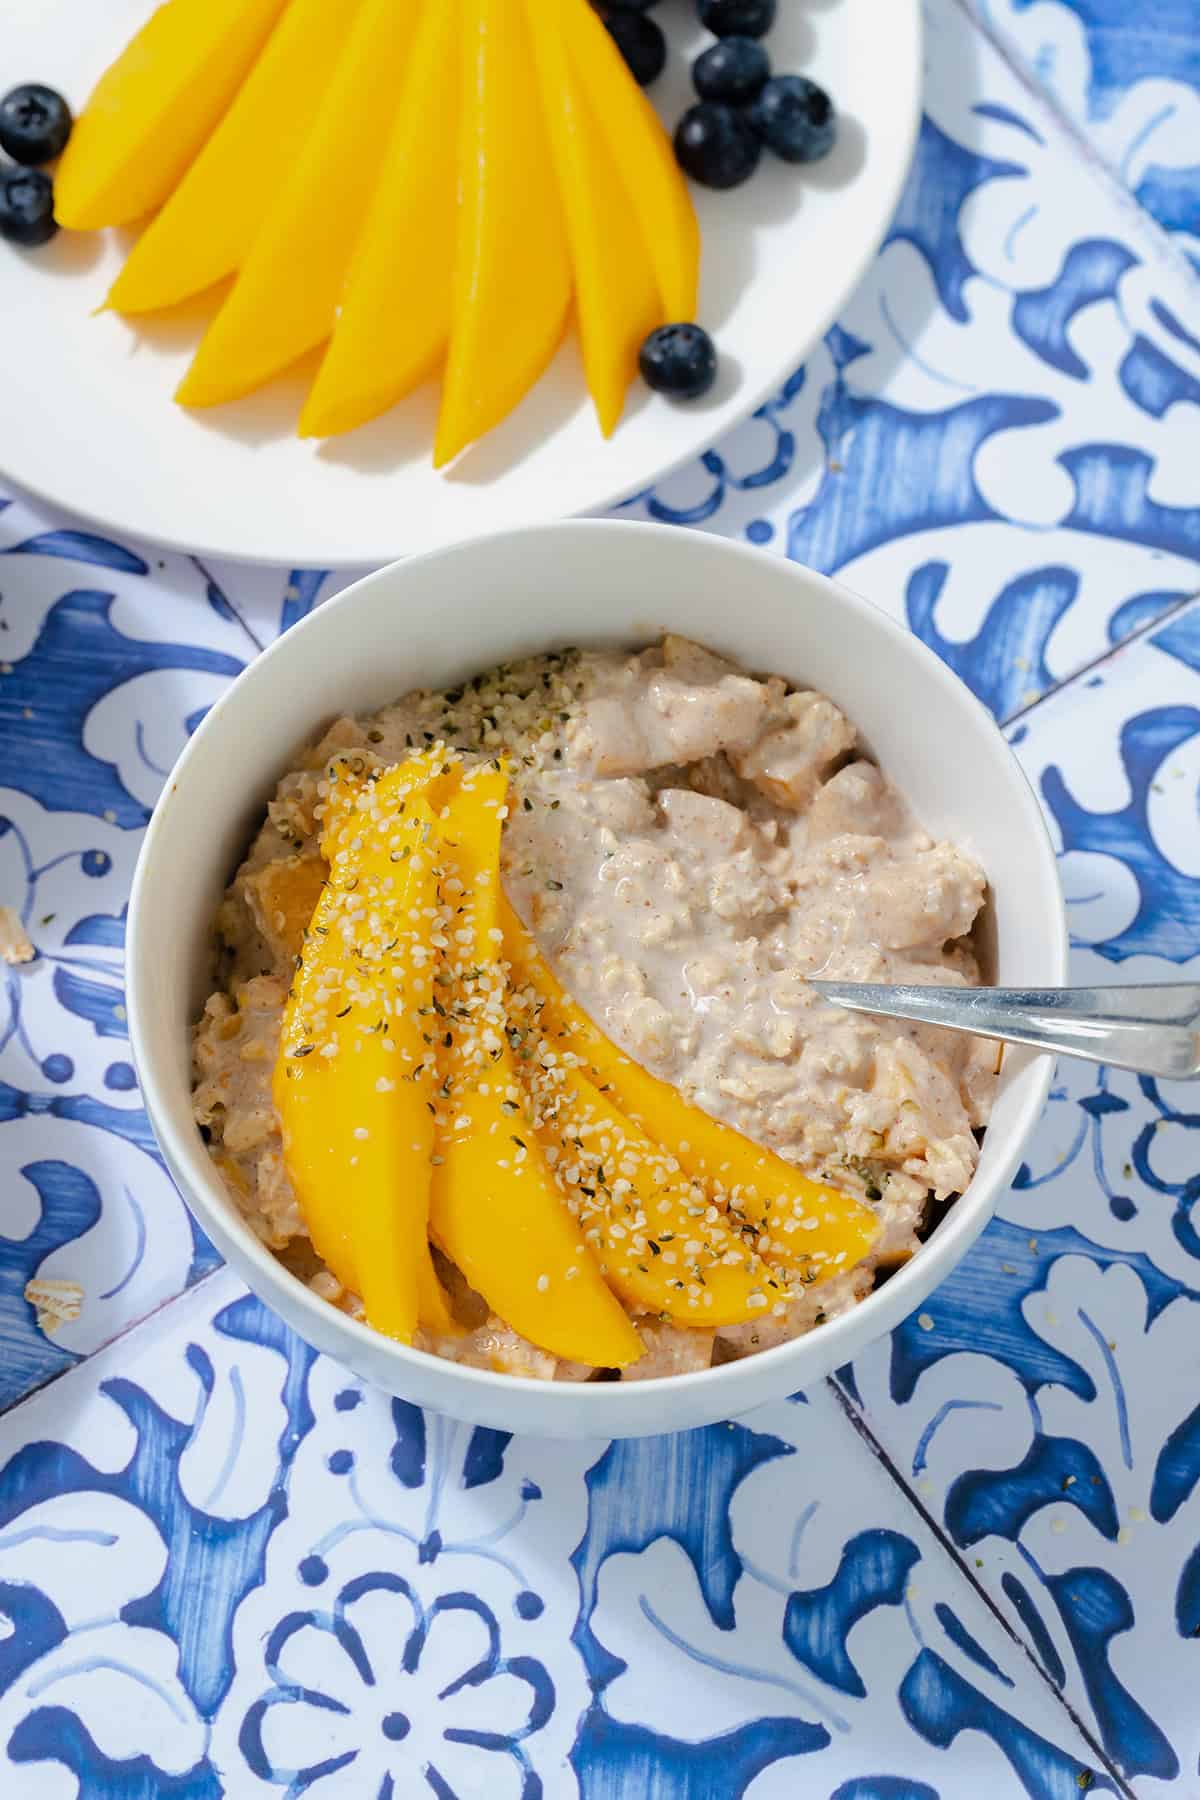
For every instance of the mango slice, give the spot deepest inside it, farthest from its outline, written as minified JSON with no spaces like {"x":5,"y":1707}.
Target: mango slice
{"x":154,"y":106}
{"x":663,"y":1246}
{"x":643,"y":155}
{"x":512,"y":277}
{"x":282,"y":896}
{"x":806,"y":1227}
{"x":284,"y":302}
{"x":433,"y":1307}
{"x":494,"y":1208}
{"x":395,"y":315}
{"x":206,"y":228}
{"x":354,"y":1082}
{"x":617,"y":299}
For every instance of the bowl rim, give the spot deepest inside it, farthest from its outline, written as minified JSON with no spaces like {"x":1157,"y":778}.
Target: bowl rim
{"x":203,"y":1192}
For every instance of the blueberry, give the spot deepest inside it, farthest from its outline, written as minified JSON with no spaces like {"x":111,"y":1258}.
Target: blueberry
{"x":715,"y":145}
{"x":26,"y":206}
{"x":641,"y":43}
{"x":794,"y":118}
{"x":737,"y":18}
{"x":679,"y":360}
{"x":35,"y":123}
{"x":733,"y":69}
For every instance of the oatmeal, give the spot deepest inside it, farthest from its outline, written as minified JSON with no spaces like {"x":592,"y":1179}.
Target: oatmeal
{"x":687,"y":844}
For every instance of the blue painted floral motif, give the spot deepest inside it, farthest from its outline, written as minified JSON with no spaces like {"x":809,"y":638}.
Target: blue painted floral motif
{"x":775,"y":1670}
{"x":1167,"y":922}
{"x":873,"y":1571}
{"x":78,"y":659}
{"x":1133,"y":81}
{"x":1077,"y":1509}
{"x":228,"y":1568}
{"x":378,"y":1633}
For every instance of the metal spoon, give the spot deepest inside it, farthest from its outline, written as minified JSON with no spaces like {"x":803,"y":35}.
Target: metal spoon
{"x":1152,"y":1029}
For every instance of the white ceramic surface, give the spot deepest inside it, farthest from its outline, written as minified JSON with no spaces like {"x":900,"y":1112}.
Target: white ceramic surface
{"x":436,"y":619}
{"x":781,"y":256}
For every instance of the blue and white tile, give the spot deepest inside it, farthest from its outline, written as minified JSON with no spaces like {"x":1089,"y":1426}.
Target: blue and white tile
{"x":996,"y":441}
{"x":142,"y":594}
{"x":1019,"y":529}
{"x":109,"y":656}
{"x":225,"y":1567}
{"x":1116,"y":758}
{"x":1129,"y":76}
{"x":1043,"y":1403}
{"x":215,"y":1555}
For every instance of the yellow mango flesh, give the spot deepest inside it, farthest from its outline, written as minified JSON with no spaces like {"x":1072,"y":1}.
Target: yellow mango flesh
{"x":154,"y":107}
{"x":662,"y":1246}
{"x":764,"y":1189}
{"x":617,"y":299}
{"x":494,"y":1207}
{"x":354,"y":1081}
{"x":512,"y":276}
{"x":205,"y":230}
{"x":433,"y":1308}
{"x":642,"y":154}
{"x":395,"y":315}
{"x":285,"y":299}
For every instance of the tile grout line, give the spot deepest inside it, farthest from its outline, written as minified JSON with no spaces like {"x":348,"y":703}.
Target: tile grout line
{"x":858,"y":1423}
{"x":1101,"y":660}
{"x":1160,"y":240}
{"x":215,"y":587}
{"x":1168,"y":254}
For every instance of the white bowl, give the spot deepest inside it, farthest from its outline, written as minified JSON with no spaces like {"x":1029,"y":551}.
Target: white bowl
{"x":435,"y":619}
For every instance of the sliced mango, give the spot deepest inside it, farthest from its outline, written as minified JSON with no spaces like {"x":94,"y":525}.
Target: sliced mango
{"x":283,"y":896}
{"x":617,"y":298}
{"x":512,"y":277}
{"x":433,"y":1307}
{"x":642,"y":153}
{"x":154,"y":106}
{"x":806,"y":1226}
{"x":395,"y":316}
{"x":352,"y":779}
{"x":284,"y":302}
{"x":494,"y":1207}
{"x":206,"y":228}
{"x":663,"y":1246}
{"x":354,"y":1082}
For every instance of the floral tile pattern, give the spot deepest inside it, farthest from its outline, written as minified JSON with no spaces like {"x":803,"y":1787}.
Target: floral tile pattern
{"x":1130,"y":76}
{"x":1044,"y":1405}
{"x":97,"y":698}
{"x":973,"y":1563}
{"x":225,"y":1567}
{"x":1007,"y":386}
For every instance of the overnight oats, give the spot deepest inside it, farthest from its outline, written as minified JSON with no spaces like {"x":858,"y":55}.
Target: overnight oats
{"x":513,"y":1052}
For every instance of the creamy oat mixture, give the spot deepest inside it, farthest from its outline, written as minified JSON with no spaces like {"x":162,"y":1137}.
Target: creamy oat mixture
{"x":688,"y":844}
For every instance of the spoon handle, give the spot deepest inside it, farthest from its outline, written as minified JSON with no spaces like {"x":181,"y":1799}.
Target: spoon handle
{"x":1150,"y":1029}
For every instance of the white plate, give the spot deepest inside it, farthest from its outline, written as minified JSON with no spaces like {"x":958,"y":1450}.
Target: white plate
{"x":85,"y":401}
